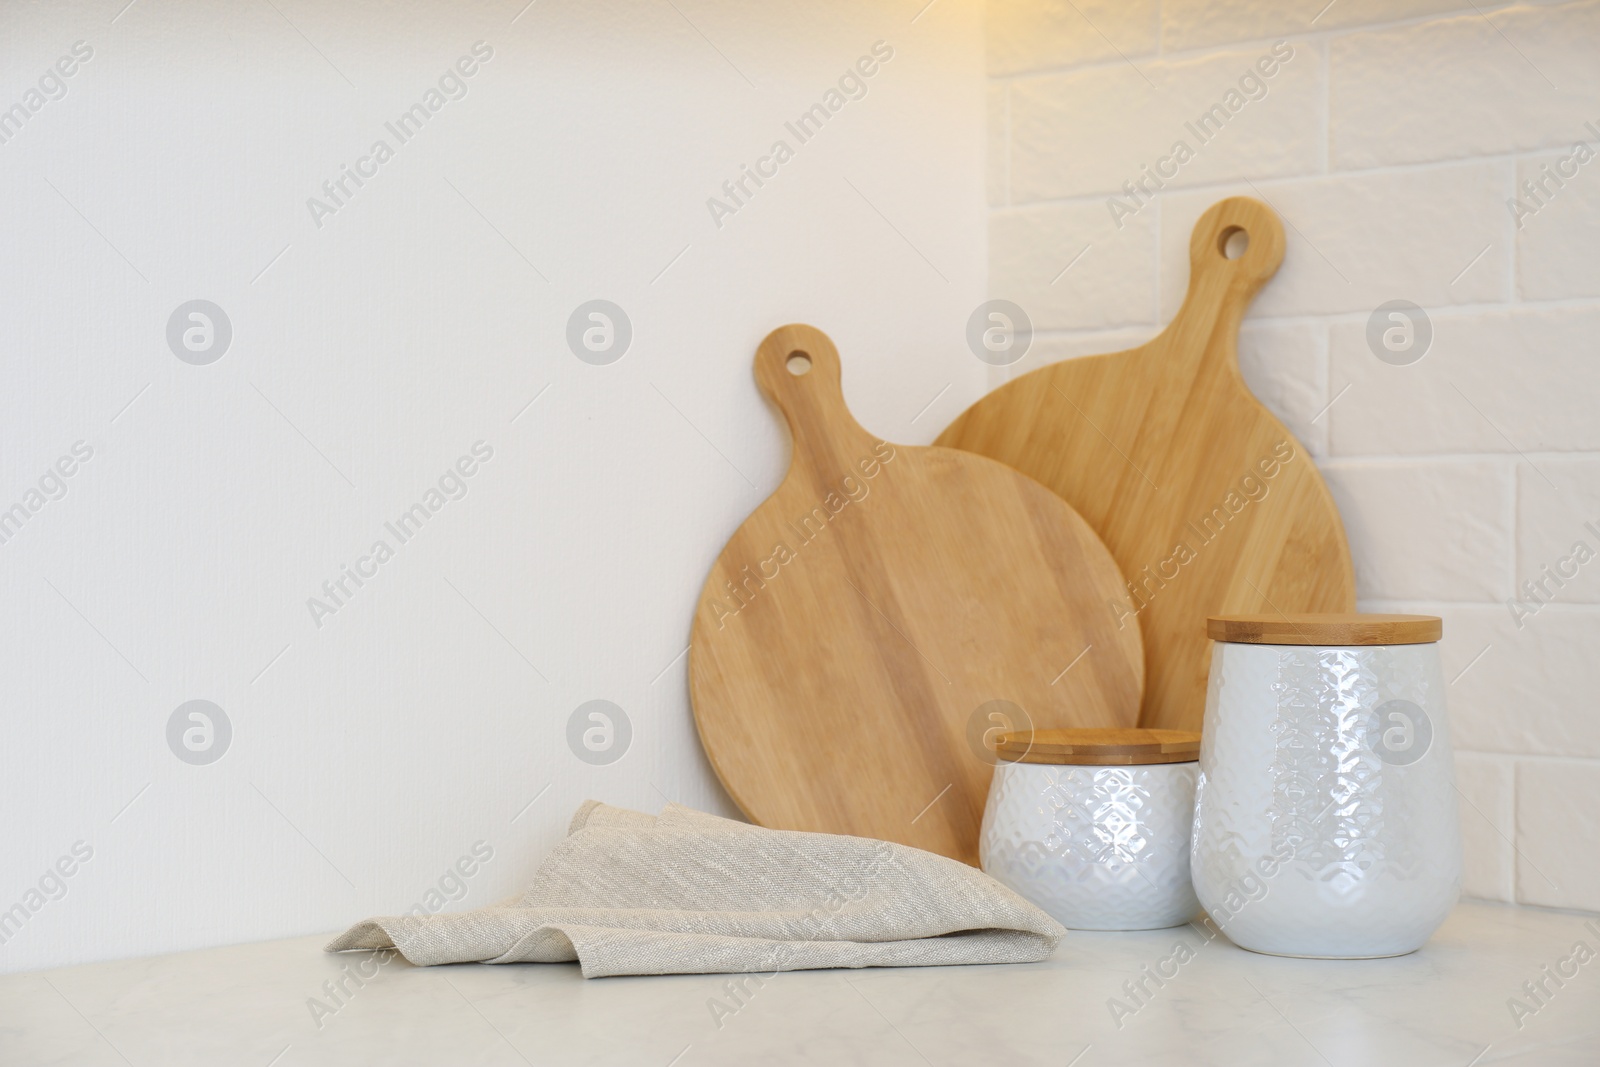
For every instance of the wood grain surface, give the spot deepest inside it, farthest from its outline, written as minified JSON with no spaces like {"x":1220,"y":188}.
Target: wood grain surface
{"x":1105,"y":747}
{"x":1330,"y":630}
{"x":1208,"y":503}
{"x":874,"y":624}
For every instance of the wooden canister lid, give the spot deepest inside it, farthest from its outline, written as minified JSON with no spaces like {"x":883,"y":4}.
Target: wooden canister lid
{"x":1108,"y":747}
{"x":1325,"y":629}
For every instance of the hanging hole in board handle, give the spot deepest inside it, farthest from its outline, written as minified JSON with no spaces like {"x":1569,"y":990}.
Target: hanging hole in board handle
{"x":1233,"y":242}
{"x":798,"y":363}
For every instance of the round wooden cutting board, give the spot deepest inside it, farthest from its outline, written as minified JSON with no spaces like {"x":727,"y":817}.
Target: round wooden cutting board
{"x":885,"y":614}
{"x":1208,"y":503}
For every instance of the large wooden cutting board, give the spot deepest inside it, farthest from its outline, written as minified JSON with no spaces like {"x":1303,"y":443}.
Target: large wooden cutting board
{"x":1208,"y":503}
{"x":855,"y":637}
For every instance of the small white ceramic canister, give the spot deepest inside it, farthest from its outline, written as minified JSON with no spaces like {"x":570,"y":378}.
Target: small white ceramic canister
{"x":1093,"y":825}
{"x":1326,"y":819}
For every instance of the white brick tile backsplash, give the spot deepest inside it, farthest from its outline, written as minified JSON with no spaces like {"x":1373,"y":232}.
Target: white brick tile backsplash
{"x":1493,"y":381}
{"x":1485,"y":784}
{"x":1557,"y":253}
{"x":1520,"y":79}
{"x":1056,"y":33}
{"x":1357,"y":241}
{"x":1426,"y":530}
{"x":1087,"y":132}
{"x":1092,"y":343}
{"x":1558,"y":546}
{"x":1396,"y":145}
{"x":1031,"y":261}
{"x":1558,"y":833}
{"x":1283,"y":364}
{"x":998,"y":162}
{"x":1534,"y":691}
{"x":1047,"y":350}
{"x":1202,"y":23}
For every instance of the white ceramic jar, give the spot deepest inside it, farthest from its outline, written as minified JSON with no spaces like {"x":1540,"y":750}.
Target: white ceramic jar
{"x":1326,"y":819}
{"x":1093,"y":826}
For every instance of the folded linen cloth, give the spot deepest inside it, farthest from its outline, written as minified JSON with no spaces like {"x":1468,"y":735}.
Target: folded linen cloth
{"x":690,"y":893}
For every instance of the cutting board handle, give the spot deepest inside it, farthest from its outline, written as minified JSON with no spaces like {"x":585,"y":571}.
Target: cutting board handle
{"x":1221,"y":287}
{"x":797,"y":367}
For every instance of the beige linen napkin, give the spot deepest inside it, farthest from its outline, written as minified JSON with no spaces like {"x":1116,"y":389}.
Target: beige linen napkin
{"x":690,"y":893}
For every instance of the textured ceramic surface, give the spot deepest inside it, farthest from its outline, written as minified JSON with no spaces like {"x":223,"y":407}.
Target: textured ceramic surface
{"x":1325,"y":817}
{"x":1099,"y":848}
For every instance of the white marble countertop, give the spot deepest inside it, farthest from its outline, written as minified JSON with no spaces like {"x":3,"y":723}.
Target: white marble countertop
{"x":251,"y":1006}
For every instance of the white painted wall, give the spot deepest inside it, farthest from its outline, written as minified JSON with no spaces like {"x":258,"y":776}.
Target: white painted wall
{"x":368,"y":353}
{"x":1390,"y":143}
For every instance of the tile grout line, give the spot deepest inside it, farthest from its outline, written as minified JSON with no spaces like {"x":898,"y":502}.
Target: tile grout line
{"x":1224,"y":185}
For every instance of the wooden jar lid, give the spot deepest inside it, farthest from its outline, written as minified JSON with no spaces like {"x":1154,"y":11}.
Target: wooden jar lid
{"x":1325,"y":629}
{"x":1107,"y":747}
